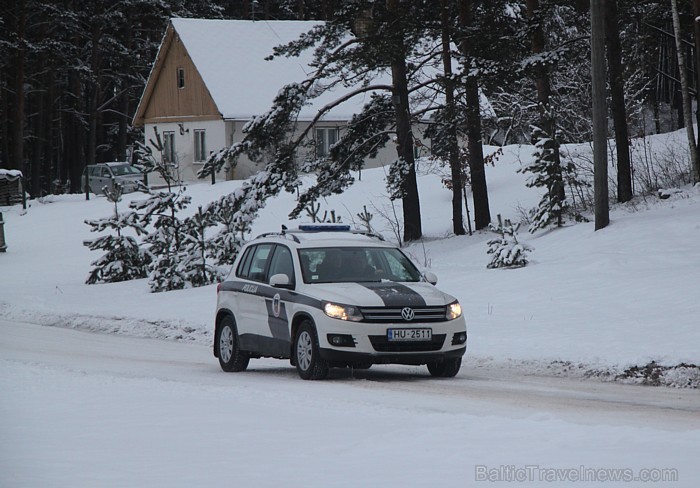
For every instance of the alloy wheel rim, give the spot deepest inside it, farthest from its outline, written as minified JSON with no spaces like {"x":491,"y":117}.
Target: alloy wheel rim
{"x":226,"y":344}
{"x":304,"y":351}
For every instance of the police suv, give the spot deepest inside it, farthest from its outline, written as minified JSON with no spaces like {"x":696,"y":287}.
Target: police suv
{"x":327,"y":296}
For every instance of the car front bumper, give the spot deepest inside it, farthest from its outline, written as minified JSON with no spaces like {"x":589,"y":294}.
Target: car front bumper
{"x":338,"y":357}
{"x":368,"y":342}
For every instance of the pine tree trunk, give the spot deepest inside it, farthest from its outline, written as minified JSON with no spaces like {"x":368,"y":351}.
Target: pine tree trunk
{"x":123,"y":117}
{"x":51,"y":117}
{"x":482,"y":216}
{"x":73,"y":150}
{"x":687,"y":106}
{"x":123,"y":123}
{"x":544,"y":92}
{"x":39,"y":130}
{"x":600,"y":121}
{"x":412,"y":229}
{"x":17,"y":125}
{"x":455,"y":164}
{"x":541,"y":76}
{"x":657,"y":112}
{"x":617,"y":93}
{"x":94,"y":95}
{"x":685,"y":93}
{"x":696,"y":35}
{"x":5,"y":110}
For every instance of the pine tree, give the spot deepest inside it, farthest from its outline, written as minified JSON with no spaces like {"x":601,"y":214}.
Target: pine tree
{"x":71,"y":75}
{"x":124,"y":259}
{"x":226,"y":244}
{"x":549,"y":172}
{"x":365,"y":134}
{"x":161,"y":211}
{"x":550,"y":73}
{"x":506,"y":251}
{"x":482,"y":213}
{"x":685,"y":91}
{"x":197,"y":249}
{"x":484,"y":33}
{"x":617,"y":105}
{"x":391,"y":37}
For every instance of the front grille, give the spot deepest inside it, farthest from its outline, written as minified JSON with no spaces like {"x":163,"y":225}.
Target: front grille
{"x":385,"y":315}
{"x":381,"y":343}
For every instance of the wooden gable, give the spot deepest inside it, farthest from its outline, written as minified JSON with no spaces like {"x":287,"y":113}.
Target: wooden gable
{"x":175,"y":90}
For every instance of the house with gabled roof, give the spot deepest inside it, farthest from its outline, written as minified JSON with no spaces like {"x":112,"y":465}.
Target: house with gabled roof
{"x":210,"y":78}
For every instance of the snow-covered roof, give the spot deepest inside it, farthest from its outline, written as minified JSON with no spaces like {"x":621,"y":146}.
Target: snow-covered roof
{"x":10,"y":174}
{"x":230,"y":57}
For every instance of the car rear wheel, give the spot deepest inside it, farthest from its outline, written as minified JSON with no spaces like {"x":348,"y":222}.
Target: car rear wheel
{"x":309,"y":364}
{"x":231,"y":358}
{"x":446,"y":368}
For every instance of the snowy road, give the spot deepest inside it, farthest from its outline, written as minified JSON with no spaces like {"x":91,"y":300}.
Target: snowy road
{"x":83,"y":409}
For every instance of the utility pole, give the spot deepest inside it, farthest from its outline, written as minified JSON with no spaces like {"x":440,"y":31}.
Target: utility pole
{"x":696,"y":35}
{"x":600,"y":115}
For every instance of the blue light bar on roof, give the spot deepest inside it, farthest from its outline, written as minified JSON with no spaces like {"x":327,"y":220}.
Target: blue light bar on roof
{"x":324,"y":228}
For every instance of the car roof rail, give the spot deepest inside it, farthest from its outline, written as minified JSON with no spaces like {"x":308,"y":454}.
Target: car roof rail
{"x":283,"y":233}
{"x":317,"y":228}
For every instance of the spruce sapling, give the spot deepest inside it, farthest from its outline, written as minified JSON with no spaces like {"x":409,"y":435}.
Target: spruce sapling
{"x":506,"y":251}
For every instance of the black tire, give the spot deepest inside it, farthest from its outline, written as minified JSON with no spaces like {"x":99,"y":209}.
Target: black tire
{"x":447,"y":368}
{"x":309,"y":364}
{"x":231,"y":358}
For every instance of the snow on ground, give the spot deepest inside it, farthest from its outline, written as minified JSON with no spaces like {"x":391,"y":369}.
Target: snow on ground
{"x":590,"y":303}
{"x":80,"y":409}
{"x":83,"y":409}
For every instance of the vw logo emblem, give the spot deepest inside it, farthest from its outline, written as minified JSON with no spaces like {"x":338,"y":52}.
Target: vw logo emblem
{"x":407,"y":314}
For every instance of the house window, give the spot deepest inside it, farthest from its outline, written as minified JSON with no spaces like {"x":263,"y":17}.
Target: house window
{"x":325,"y":138}
{"x":169,"y":147}
{"x":181,"y":77}
{"x":200,"y":146}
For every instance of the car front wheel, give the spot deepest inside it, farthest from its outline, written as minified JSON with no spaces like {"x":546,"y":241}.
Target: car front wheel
{"x":231,"y":358}
{"x":446,"y":368}
{"x":309,"y":364}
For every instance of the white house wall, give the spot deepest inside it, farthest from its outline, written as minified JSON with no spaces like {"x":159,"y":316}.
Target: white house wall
{"x":246,"y":168}
{"x":220,"y":134}
{"x":215,"y":139}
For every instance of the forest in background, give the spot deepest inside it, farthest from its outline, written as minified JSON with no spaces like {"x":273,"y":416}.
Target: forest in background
{"x":72,"y":72}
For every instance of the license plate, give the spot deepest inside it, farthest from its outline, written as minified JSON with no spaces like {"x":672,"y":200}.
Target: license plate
{"x":409,"y":334}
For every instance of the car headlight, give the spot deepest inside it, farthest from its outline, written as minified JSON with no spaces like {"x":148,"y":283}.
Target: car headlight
{"x":342,"y":312}
{"x":454,"y":311}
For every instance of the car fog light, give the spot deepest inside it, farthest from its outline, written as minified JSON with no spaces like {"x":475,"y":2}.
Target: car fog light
{"x":341,"y":340}
{"x":459,"y":338}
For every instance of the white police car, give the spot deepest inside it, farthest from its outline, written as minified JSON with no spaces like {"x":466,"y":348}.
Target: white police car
{"x":325,"y":296}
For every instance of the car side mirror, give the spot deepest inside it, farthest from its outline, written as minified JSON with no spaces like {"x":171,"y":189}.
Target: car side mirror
{"x":430,"y":277}
{"x":281,"y":281}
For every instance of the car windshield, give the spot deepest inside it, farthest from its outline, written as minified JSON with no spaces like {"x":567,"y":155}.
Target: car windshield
{"x":356,"y":264}
{"x":123,"y":170}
